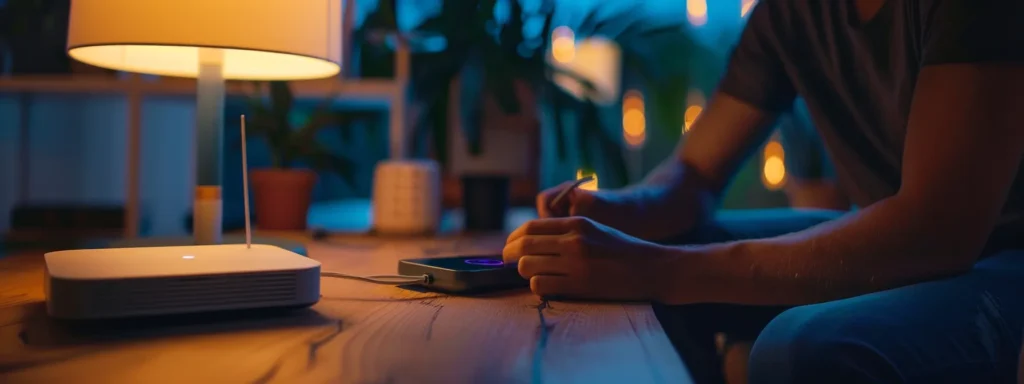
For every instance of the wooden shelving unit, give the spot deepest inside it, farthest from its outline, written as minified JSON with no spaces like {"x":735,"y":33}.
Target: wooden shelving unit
{"x":142,"y":86}
{"x":136,"y":88}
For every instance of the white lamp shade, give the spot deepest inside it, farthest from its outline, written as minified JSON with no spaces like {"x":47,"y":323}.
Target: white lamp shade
{"x":252,"y":39}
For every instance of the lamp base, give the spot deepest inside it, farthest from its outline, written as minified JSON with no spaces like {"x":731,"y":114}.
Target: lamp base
{"x":207,"y":220}
{"x":291,"y":245}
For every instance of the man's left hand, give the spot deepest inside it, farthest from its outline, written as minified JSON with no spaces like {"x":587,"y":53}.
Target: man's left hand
{"x":575,"y":257}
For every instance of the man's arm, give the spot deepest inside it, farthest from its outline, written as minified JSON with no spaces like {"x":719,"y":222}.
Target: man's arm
{"x":965,"y":141}
{"x":755,"y":89}
{"x":721,"y":138}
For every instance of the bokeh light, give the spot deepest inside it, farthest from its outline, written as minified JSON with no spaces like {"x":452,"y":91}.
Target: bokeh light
{"x":634,"y":123}
{"x":633,"y":99}
{"x":590,"y":185}
{"x":697,"y":12}
{"x":563,"y":44}
{"x":746,"y":6}
{"x":774,"y":172}
{"x":695,"y":102}
{"x":774,"y":149}
{"x":692,"y":112}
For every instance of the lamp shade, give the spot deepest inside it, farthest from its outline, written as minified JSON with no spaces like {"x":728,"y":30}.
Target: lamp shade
{"x":251,"y":39}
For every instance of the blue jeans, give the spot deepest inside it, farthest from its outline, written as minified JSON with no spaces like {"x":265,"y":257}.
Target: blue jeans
{"x":965,"y":329}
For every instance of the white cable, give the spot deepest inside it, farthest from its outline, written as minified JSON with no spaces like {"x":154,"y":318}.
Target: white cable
{"x":381,"y":279}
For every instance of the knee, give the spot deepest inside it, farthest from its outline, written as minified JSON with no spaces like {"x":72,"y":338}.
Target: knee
{"x":808,"y":345}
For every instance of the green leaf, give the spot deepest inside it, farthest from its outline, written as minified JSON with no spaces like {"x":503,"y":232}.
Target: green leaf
{"x":386,"y":15}
{"x":587,"y":122}
{"x":615,"y":159}
{"x":500,"y":85}
{"x":560,"y":103}
{"x":281,"y":99}
{"x":589,"y":24}
{"x":321,"y":159}
{"x":667,"y":104}
{"x":471,"y":98}
{"x":438,"y":122}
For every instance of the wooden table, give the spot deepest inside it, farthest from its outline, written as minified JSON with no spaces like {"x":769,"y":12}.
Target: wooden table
{"x":357,"y":333}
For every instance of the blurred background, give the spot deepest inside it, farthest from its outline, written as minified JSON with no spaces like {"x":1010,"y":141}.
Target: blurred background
{"x":527,"y":92}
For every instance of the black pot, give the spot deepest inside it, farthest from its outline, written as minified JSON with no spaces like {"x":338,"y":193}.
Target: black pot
{"x":485,"y":202}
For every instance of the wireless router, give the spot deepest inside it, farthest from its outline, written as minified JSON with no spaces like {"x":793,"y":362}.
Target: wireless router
{"x":146,"y":281}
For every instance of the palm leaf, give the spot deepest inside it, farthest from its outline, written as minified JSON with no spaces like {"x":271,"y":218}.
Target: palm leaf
{"x":559,"y":101}
{"x":281,"y":99}
{"x":499,"y":80}
{"x":658,"y":51}
{"x":319,"y":157}
{"x":471,"y":92}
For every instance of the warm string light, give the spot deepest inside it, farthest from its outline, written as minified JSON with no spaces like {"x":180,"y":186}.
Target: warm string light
{"x":697,"y":12}
{"x":773,"y":173}
{"x":563,"y":44}
{"x":634,"y":123}
{"x":695,"y":105}
{"x":692,"y":112}
{"x":746,"y":6}
{"x":590,"y":185}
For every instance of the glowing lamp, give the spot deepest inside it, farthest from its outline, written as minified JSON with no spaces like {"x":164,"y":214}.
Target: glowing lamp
{"x":212,"y":41}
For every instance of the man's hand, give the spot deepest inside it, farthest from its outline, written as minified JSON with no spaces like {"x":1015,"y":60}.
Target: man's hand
{"x":646,"y":211}
{"x":576,"y":257}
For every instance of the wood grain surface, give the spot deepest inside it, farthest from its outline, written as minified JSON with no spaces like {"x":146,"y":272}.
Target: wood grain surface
{"x":357,"y":333}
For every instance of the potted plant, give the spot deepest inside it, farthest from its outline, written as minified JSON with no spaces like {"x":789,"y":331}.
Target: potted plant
{"x":498,"y":56}
{"x":282,"y":193}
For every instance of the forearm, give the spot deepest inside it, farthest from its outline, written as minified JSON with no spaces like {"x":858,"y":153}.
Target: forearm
{"x":720,"y":140}
{"x":887,"y":245}
{"x":673,"y":199}
{"x":684,"y":189}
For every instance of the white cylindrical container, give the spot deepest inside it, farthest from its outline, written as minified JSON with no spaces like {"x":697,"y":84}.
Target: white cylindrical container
{"x":206,"y":215}
{"x":406,"y":197}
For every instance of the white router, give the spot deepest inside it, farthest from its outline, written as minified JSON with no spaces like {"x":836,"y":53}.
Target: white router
{"x":146,"y":281}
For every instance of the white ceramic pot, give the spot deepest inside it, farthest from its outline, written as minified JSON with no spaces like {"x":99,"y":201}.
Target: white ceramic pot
{"x":406,"y":197}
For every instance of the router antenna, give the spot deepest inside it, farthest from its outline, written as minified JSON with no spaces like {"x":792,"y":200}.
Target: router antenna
{"x":245,"y":189}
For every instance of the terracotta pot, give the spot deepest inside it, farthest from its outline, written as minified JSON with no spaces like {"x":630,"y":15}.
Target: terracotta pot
{"x":281,"y":198}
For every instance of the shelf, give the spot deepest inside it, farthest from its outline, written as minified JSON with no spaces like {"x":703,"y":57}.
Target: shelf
{"x":346,"y":89}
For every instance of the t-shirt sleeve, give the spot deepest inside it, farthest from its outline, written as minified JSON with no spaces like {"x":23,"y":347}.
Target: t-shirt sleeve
{"x":755,"y":73}
{"x":972,"y":31}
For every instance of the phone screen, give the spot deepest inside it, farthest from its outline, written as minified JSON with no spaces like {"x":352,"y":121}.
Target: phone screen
{"x":467,"y":263}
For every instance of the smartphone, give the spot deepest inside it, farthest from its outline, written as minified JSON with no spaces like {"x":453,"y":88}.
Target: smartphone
{"x":465,"y":274}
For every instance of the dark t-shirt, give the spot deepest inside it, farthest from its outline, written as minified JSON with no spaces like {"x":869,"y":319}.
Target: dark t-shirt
{"x":858,"y":78}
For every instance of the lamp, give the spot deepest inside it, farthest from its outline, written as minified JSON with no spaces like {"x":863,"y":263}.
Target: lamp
{"x":213,"y":41}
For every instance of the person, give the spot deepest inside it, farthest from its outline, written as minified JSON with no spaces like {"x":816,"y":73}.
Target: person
{"x":921,"y":106}
{"x":810,"y":175}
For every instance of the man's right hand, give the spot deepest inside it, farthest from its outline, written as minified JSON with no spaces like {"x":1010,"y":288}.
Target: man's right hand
{"x":681,"y":192}
{"x":638,"y":211}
